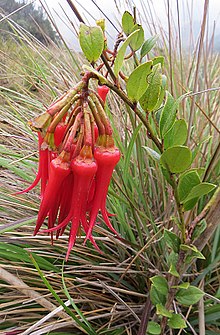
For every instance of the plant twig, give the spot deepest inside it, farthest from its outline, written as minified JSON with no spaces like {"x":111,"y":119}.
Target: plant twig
{"x":212,"y":213}
{"x":141,"y":116}
{"x":145,"y":317}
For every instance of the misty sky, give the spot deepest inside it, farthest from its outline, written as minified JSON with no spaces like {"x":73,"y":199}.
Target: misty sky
{"x":60,"y":10}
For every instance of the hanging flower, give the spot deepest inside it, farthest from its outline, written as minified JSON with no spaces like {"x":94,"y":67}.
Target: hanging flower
{"x":77,"y":157}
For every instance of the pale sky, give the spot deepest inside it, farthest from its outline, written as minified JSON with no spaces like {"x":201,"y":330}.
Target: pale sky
{"x":60,"y":10}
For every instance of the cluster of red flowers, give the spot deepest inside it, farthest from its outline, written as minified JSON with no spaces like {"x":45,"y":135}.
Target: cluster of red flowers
{"x":77,"y":156}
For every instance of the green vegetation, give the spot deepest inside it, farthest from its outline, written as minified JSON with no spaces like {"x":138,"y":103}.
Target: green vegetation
{"x":27,"y":16}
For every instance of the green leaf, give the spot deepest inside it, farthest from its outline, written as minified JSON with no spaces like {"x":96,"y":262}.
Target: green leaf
{"x":162,"y":92}
{"x":149,"y":99}
{"x":189,"y":296}
{"x":186,"y":182}
{"x":172,"y":261}
{"x":148,"y":45}
{"x":156,"y":297}
{"x":200,"y":190}
{"x":185,"y":286}
{"x":158,"y":60}
{"x":173,"y":271}
{"x":153,"y":328}
{"x":127,"y":23}
{"x":137,"y":42}
{"x":161,"y":310}
{"x":152,"y":153}
{"x":172,"y":240}
{"x":192,"y":251}
{"x":91,"y":40}
{"x":160,"y":283}
{"x":190,"y":204}
{"x":121,"y":52}
{"x":176,"y":159}
{"x":177,"y":135}
{"x":168,"y":115}
{"x":176,"y":322}
{"x":199,"y":229}
{"x":137,"y":81}
{"x":200,"y":171}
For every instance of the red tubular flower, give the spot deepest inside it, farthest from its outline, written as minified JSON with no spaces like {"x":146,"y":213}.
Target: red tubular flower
{"x":59,"y":133}
{"x":106,"y":158}
{"x":77,"y":157}
{"x":45,"y":159}
{"x":102,"y":92}
{"x":42,"y":173}
{"x":96,"y":132}
{"x":65,"y":202}
{"x":84,"y":169}
{"x":59,"y":170}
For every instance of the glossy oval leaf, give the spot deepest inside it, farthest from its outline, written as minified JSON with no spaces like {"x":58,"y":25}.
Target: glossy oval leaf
{"x":127,"y":23}
{"x":156,"y":297}
{"x":199,"y":229}
{"x":190,"y":204}
{"x":91,"y":40}
{"x":177,"y":135}
{"x":153,"y":328}
{"x":192,"y":252}
{"x":186,"y":182}
{"x":200,"y":190}
{"x":150,"y":98}
{"x":176,"y":322}
{"x":137,"y":81}
{"x":160,"y":283}
{"x":148,"y":45}
{"x":161,"y":310}
{"x":168,"y":115}
{"x":176,"y":159}
{"x":121,"y":52}
{"x":137,"y":42}
{"x":173,"y":270}
{"x":158,"y":60}
{"x":189,"y":296}
{"x":172,"y":240}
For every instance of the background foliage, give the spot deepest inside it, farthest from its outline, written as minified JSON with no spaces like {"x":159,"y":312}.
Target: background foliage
{"x":32,"y":19}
